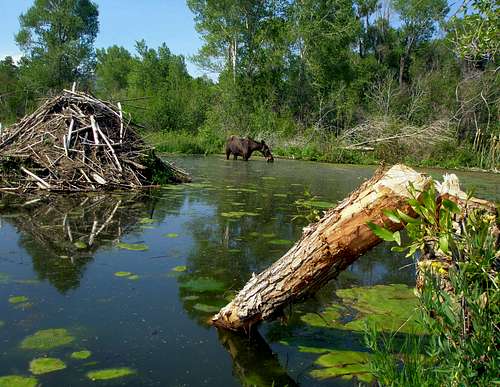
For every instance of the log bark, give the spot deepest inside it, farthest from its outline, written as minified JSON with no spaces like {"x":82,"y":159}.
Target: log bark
{"x":325,"y":249}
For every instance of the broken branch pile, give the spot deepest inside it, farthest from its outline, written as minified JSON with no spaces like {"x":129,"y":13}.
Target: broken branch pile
{"x":75,"y":142}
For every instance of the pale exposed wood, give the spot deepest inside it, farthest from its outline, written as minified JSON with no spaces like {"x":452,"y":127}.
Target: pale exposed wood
{"x":42,"y":182}
{"x":324,"y":250}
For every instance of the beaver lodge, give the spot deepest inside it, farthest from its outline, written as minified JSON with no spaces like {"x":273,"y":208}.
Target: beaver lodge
{"x":75,"y":142}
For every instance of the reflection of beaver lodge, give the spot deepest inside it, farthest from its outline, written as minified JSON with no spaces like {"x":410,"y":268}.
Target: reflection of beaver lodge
{"x":75,"y":142}
{"x":61,"y":233}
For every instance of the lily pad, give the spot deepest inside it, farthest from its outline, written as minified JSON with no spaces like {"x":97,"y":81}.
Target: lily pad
{"x":17,"y":381}
{"x":44,"y":365}
{"x":190,"y":298}
{"x":80,"y":245}
{"x":4,"y":278}
{"x":280,"y":242}
{"x":47,"y":339}
{"x":238,"y":214}
{"x":180,"y":269}
{"x":132,"y":246}
{"x":81,"y":355}
{"x":206,"y":308}
{"x":203,"y":284}
{"x":123,"y":274}
{"x":171,"y":235}
{"x":146,"y":221}
{"x":133,"y":277}
{"x":18,"y":299}
{"x":110,"y":373}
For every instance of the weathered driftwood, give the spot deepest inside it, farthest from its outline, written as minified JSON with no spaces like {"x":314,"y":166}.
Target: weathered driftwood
{"x":325,"y":249}
{"x":73,"y":141}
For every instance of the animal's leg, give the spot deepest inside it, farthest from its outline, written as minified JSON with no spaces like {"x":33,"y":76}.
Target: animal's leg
{"x":235,"y":157}
{"x":228,"y":153}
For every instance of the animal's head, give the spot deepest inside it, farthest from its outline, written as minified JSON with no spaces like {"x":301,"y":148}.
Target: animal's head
{"x":266,"y":152}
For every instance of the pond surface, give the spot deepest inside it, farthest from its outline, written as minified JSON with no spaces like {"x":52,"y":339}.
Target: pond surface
{"x":127,"y":282}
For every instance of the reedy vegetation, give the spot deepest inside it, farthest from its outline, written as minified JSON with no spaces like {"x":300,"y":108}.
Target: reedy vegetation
{"x":315,"y":78}
{"x":459,"y":298}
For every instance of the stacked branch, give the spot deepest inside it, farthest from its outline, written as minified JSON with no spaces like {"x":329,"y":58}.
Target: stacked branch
{"x":75,"y":142}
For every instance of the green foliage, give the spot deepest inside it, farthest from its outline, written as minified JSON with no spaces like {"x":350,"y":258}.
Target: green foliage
{"x":57,"y":39}
{"x":47,"y":339}
{"x":459,"y":300}
{"x":44,"y":365}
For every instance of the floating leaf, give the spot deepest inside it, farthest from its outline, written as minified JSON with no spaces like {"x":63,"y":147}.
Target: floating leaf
{"x":132,"y":246}
{"x":80,"y":245}
{"x":280,"y":242}
{"x":47,"y":339}
{"x":110,"y":373}
{"x":203,"y":284}
{"x":180,"y":269}
{"x":133,"y":277}
{"x":146,"y":221}
{"x":123,"y":274}
{"x":18,"y":299}
{"x":238,"y":214}
{"x":81,"y":355}
{"x":44,"y":365}
{"x":17,"y":381}
{"x":206,"y":308}
{"x":171,"y":235}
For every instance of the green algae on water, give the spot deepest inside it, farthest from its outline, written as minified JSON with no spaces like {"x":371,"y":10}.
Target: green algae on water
{"x":345,"y":364}
{"x":110,"y":373}
{"x":179,"y":269}
{"x":171,"y":235}
{"x":203,"y":284}
{"x":44,"y":365}
{"x":18,"y":299}
{"x":132,"y":246}
{"x":81,"y":355}
{"x":17,"y":381}
{"x":47,"y":339}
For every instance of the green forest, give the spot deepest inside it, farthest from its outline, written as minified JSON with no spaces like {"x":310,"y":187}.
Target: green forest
{"x":350,"y":81}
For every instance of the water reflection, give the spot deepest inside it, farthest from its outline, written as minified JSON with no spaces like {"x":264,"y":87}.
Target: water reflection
{"x":62,"y":233}
{"x":204,"y":242}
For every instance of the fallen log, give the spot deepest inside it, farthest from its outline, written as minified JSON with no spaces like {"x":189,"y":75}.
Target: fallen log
{"x":329,"y":246}
{"x":325,"y":249}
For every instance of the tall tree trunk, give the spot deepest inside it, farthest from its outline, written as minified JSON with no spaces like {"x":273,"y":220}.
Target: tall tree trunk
{"x":325,"y":249}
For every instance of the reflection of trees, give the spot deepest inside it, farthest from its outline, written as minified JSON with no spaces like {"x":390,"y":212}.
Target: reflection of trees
{"x":62,"y":233}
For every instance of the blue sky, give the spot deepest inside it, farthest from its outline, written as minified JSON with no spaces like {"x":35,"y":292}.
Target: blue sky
{"x":122,"y":22}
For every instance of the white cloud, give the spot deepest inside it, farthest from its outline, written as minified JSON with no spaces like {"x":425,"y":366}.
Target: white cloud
{"x":16,"y":56}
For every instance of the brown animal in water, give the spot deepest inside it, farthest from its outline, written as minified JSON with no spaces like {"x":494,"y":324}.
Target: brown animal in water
{"x":244,"y":147}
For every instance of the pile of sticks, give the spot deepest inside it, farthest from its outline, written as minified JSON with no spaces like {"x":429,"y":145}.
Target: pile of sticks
{"x":75,"y":142}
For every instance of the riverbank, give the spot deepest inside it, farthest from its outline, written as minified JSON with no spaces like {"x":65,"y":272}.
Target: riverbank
{"x":446,"y":155}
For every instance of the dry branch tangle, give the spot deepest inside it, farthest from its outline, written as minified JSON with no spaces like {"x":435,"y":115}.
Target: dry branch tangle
{"x":324,"y":250}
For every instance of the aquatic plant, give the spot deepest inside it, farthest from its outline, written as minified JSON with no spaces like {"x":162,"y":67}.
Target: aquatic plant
{"x":123,"y":274}
{"x":171,"y":235}
{"x":280,"y":242}
{"x":81,"y":355}
{"x":237,"y":214}
{"x":44,"y":365}
{"x":47,"y":339}
{"x":345,"y":364}
{"x":132,"y":246}
{"x":18,"y":299}
{"x":207,"y":308}
{"x":203,"y":284}
{"x":179,"y":269}
{"x":110,"y":373}
{"x":4,"y":278}
{"x":80,"y":245}
{"x":17,"y":381}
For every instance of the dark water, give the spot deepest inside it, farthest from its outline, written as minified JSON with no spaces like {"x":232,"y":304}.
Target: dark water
{"x":236,"y":219}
